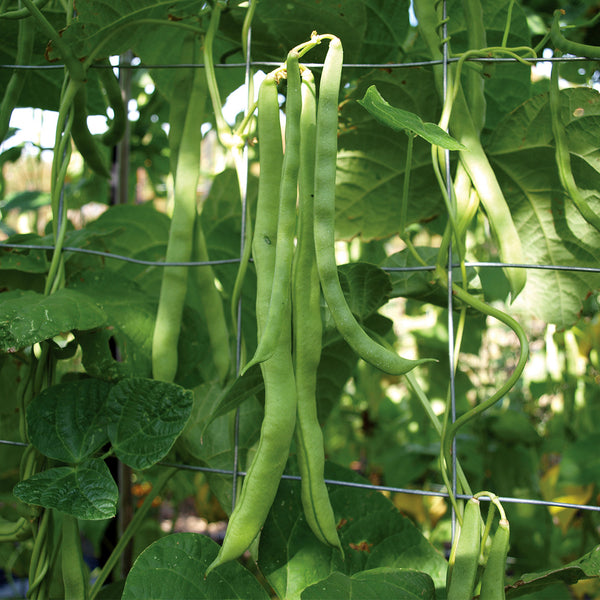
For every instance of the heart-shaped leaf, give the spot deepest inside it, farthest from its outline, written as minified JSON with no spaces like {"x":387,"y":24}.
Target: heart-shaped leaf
{"x":86,"y":491}
{"x":174,"y":566}
{"x":28,"y":317}
{"x":146,"y":417}
{"x":68,"y":421}
{"x":384,"y":582}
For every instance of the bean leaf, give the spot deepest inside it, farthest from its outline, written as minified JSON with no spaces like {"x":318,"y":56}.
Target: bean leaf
{"x":403,"y":120}
{"x":175,"y":565}
{"x":146,"y":417}
{"x":86,"y":491}
{"x":68,"y":421}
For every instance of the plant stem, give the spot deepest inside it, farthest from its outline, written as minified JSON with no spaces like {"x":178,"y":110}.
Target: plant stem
{"x":133,"y":526}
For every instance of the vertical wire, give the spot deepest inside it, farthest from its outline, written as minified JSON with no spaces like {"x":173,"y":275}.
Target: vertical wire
{"x":244,"y":198}
{"x":450,"y":303}
{"x":124,"y":472}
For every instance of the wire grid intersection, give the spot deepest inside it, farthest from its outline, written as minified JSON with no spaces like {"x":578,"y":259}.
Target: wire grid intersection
{"x":248,"y":65}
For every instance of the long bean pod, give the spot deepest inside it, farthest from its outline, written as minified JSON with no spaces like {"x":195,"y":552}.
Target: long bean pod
{"x":563,"y":158}
{"x":308,"y":330}
{"x":263,"y":476}
{"x":280,"y":294}
{"x":114,"y":97}
{"x":17,"y":79}
{"x":181,"y":234}
{"x":464,"y":557}
{"x":22,"y":13}
{"x":492,"y":580}
{"x":474,"y":158}
{"x":74,"y":572}
{"x":86,"y":143}
{"x":212,"y":305}
{"x":324,"y":207}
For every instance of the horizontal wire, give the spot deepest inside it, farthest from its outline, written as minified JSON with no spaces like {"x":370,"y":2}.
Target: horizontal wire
{"x":391,"y":65}
{"x":367,"y":486}
{"x":137,"y":261}
{"x":384,"y":488}
{"x":226,"y":261}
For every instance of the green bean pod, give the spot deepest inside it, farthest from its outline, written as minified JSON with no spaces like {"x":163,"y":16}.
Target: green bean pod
{"x":477,"y":165}
{"x":212,"y":305}
{"x":474,"y":158}
{"x":280,"y":294}
{"x":308,"y":331}
{"x":12,"y":531}
{"x":492,"y":580}
{"x":324,"y":210}
{"x":22,"y":13}
{"x":74,"y":572}
{"x":181,"y":236}
{"x":263,"y":476}
{"x":464,"y":557}
{"x":17,"y":79}
{"x":114,"y":96}
{"x":86,"y":143}
{"x":563,"y":157}
{"x":474,"y":82}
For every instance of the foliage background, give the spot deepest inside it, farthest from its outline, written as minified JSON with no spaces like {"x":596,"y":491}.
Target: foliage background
{"x":540,"y":443}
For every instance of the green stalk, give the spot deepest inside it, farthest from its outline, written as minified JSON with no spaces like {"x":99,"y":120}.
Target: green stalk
{"x":133,"y":526}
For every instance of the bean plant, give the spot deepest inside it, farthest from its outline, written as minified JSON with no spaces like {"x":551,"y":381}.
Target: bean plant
{"x":365,"y":336}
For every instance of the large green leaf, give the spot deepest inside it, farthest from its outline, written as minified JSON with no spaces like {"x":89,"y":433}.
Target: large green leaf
{"x":138,"y":232}
{"x":145,"y":418}
{"x":10,"y":456}
{"x":384,"y":582}
{"x":221,"y":219}
{"x":27,"y":260}
{"x":68,"y":421}
{"x":552,"y":229}
{"x":173,"y":567}
{"x":86,"y":491}
{"x":373,"y":535}
{"x":370,"y":30}
{"x":28,"y":317}
{"x":114,"y":28}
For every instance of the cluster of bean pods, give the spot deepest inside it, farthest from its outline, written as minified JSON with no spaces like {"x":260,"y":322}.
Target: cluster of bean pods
{"x":294,"y":256}
{"x":467,"y":560}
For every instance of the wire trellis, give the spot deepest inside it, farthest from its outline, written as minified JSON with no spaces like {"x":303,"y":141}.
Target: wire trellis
{"x":248,"y":66}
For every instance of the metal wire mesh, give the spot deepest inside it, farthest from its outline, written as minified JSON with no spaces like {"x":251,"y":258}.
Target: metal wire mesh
{"x":248,"y":65}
